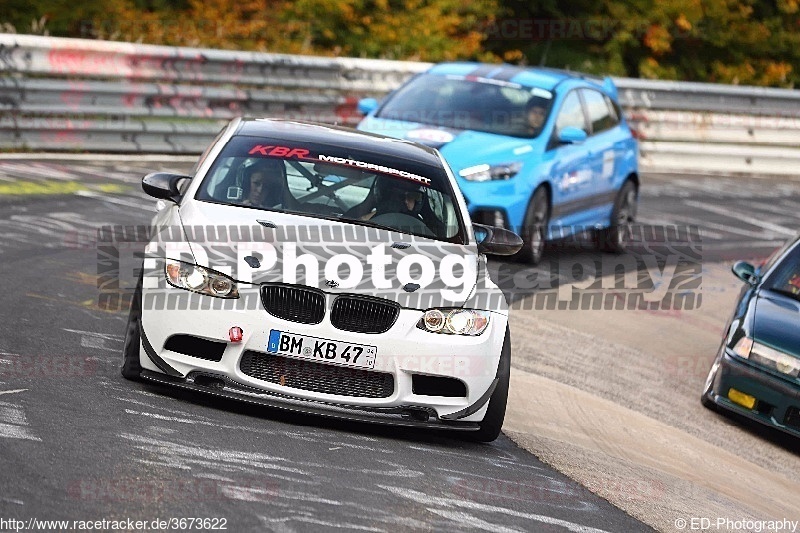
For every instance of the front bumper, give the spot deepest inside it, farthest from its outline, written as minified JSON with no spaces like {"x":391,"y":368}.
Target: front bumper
{"x":778,"y":400}
{"x":407,"y":417}
{"x":404,"y":352}
{"x":508,"y":197}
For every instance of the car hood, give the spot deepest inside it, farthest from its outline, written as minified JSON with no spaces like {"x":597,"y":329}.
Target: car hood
{"x":776,"y":322}
{"x":461,"y":148}
{"x":416,"y":272}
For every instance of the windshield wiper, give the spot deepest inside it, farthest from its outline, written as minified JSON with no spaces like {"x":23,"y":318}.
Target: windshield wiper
{"x":368,"y":223}
{"x":371,"y":224}
{"x":307,"y":214}
{"x":344,"y":219}
{"x":352,"y":221}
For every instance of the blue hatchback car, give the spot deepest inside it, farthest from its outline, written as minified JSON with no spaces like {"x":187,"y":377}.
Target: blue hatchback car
{"x":545,"y":153}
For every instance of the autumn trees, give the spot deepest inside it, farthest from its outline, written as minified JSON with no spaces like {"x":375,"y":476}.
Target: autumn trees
{"x":747,"y":42}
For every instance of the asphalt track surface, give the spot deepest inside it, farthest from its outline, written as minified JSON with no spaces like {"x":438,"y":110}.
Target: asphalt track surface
{"x":77,"y":442}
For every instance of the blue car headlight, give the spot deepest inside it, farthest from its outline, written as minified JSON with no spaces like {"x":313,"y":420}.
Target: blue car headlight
{"x":485,"y":172}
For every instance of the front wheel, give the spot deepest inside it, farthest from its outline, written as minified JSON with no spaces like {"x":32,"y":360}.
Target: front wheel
{"x":616,"y":238}
{"x":492,"y":423}
{"x":534,"y":228}
{"x":131,"y":368}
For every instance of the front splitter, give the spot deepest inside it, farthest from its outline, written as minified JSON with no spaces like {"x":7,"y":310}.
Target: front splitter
{"x":386,"y":416}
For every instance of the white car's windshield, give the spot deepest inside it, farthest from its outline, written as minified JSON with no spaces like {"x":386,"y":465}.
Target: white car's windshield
{"x":328,"y":182}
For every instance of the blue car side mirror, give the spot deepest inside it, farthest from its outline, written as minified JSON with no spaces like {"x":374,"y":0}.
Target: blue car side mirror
{"x":367,"y":105}
{"x":571,"y":135}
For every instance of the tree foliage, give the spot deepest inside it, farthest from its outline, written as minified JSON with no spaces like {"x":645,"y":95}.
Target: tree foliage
{"x":430,"y":30}
{"x":729,"y":41}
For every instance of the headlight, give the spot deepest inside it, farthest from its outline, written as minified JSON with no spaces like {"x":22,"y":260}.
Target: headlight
{"x":486,"y":172}
{"x":743,"y":347}
{"x":776,"y":360}
{"x":198,"y":279}
{"x":454,"y":321}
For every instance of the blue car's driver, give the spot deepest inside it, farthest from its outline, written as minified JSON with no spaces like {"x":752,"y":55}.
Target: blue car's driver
{"x":535,"y":113}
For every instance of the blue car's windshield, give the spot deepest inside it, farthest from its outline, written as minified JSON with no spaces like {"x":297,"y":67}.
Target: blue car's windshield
{"x":465,"y":103}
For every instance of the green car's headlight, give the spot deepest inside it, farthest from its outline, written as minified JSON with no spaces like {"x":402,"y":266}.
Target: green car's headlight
{"x":767,"y":357}
{"x":198,"y":279}
{"x":776,"y":360}
{"x":454,"y":321}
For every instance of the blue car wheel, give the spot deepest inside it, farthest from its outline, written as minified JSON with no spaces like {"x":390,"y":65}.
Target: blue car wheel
{"x":616,"y":238}
{"x":534,"y":228}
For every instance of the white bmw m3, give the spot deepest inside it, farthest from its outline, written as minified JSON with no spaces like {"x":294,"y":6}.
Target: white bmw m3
{"x":328,"y":271}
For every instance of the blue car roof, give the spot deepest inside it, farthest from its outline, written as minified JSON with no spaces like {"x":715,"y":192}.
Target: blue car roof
{"x":543,"y":78}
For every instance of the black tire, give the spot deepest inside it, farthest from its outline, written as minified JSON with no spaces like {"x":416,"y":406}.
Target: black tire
{"x":707,"y":402}
{"x":492,"y":423}
{"x":534,"y":228}
{"x":131,"y":369}
{"x":616,"y":238}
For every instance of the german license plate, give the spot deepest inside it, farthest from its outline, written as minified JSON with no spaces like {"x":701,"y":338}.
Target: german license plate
{"x":325,"y":350}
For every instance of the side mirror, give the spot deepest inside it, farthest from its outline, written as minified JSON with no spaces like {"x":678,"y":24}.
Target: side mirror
{"x":496,"y":241}
{"x":367,"y":105}
{"x":745,"y":272}
{"x":570,"y":135}
{"x":163,"y":185}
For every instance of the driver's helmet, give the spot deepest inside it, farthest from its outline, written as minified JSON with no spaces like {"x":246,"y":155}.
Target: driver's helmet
{"x":399,"y":195}
{"x":273,"y":177}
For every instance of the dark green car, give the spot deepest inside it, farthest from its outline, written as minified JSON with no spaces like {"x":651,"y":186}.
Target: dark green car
{"x":757,"y":370}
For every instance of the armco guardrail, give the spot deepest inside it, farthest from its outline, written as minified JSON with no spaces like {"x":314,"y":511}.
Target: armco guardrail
{"x":716,"y":128}
{"x":72,"y":94}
